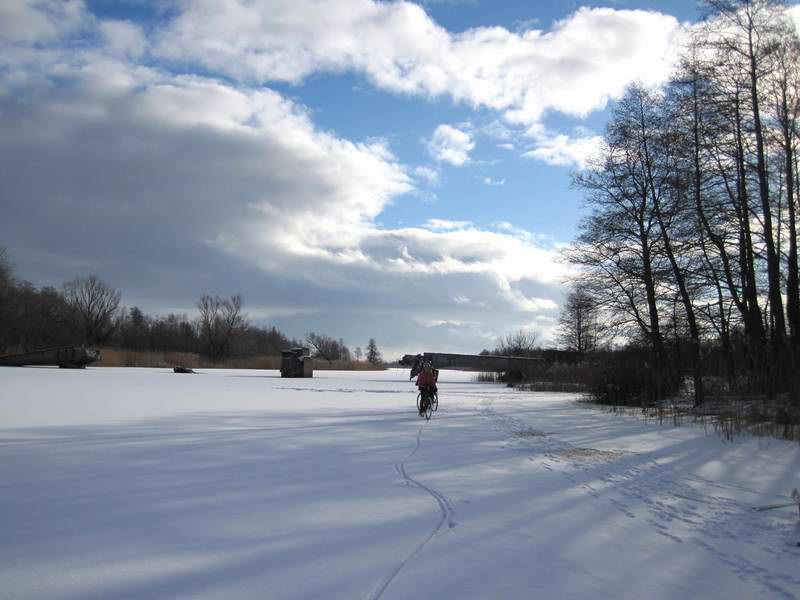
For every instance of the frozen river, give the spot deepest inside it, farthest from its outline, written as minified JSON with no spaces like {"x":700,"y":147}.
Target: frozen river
{"x":140,"y":483}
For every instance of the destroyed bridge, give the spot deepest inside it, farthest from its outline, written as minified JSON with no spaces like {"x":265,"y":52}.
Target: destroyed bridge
{"x":522,"y":368}
{"x":517,"y":367}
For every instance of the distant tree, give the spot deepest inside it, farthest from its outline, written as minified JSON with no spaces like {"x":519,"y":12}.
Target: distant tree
{"x":358,"y":353}
{"x":373,"y":354}
{"x":520,"y":343}
{"x":578,"y":327}
{"x":219,"y":321}
{"x":134,"y":331}
{"x":6,"y":289}
{"x":6,"y":269}
{"x":31,"y":318}
{"x":174,"y":333}
{"x":327,"y":347}
{"x":261,"y":341}
{"x":344,"y":351}
{"x":92,"y":308}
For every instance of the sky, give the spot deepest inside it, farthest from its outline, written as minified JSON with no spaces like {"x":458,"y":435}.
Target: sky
{"x":388,"y":170}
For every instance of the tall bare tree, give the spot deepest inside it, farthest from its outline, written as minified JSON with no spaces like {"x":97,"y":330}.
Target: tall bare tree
{"x":620,"y":246}
{"x":93,"y":308}
{"x":750,"y":30}
{"x":219,"y":320}
{"x":784,"y":96}
{"x":579,"y":327}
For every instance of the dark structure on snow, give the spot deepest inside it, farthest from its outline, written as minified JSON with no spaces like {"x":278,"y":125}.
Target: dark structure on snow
{"x":66,"y":357}
{"x":296,"y":362}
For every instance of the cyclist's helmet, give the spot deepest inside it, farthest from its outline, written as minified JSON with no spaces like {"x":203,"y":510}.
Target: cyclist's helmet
{"x":427,"y":365}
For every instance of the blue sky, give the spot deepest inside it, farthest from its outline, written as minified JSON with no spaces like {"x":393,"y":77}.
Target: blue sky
{"x":385,"y":169}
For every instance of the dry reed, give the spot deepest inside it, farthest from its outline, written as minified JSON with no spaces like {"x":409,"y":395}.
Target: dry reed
{"x":111,"y":357}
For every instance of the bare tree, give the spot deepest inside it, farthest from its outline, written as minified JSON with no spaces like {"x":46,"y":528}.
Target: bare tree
{"x":784,"y":80}
{"x":620,"y":246}
{"x":93,"y":307}
{"x":694,"y":201}
{"x":6,"y":269}
{"x":579,"y":328}
{"x":520,"y":343}
{"x":750,"y":30}
{"x":327,"y":347}
{"x":7,"y":286}
{"x":134,"y":331}
{"x":220,"y":319}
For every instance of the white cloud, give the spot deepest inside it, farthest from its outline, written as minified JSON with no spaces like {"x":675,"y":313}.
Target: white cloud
{"x":123,"y":38}
{"x":444,"y":224}
{"x":451,"y":145}
{"x":575,"y":67}
{"x":498,"y":129}
{"x":177,"y":185}
{"x":794,"y":14}
{"x":431,"y":176}
{"x":494,"y":182}
{"x":562,"y":150}
{"x":38,"y":21}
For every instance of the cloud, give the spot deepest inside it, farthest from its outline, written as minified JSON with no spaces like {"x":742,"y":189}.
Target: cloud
{"x":451,"y":145}
{"x":574,"y":67}
{"x":444,"y":224}
{"x":171,"y":185}
{"x":794,"y":14}
{"x":561,"y":150}
{"x":123,"y":38}
{"x":28,"y":22}
{"x":494,"y":182}
{"x":430,"y":176}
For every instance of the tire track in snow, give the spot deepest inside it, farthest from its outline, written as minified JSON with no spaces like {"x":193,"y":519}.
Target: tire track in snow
{"x":446,"y":513}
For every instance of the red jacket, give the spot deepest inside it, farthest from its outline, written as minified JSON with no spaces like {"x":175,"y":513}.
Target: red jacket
{"x":426,"y":378}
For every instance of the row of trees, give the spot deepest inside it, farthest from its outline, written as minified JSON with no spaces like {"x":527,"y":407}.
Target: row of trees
{"x":84,"y":310}
{"x":326,"y":347}
{"x":690,"y":246}
{"x":89,"y":311}
{"x":523,"y":342}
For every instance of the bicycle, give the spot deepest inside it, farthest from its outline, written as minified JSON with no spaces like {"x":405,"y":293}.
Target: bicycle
{"x":431,"y":400}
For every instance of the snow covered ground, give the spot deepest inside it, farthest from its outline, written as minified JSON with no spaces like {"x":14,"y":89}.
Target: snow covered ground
{"x":140,"y":483}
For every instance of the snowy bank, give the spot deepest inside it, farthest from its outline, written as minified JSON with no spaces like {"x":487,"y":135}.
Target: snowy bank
{"x":140,"y":483}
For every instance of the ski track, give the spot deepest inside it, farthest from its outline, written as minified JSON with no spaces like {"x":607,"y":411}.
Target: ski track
{"x":446,"y":514}
{"x":341,"y":390}
{"x":670,"y":503}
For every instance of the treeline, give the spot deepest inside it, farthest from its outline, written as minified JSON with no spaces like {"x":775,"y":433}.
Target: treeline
{"x":89,"y":311}
{"x":689,"y":250}
{"x":523,"y":343}
{"x":331,"y":350}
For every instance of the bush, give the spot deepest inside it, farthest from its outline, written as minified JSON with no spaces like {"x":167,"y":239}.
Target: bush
{"x":627,"y":377}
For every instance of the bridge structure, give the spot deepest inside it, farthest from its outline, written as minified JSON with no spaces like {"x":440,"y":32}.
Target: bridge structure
{"x":66,"y":357}
{"x":521,"y":367}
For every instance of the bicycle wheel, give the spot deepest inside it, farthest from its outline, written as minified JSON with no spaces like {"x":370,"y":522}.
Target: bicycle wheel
{"x":419,"y":399}
{"x":428,"y":411}
{"x":435,"y":401}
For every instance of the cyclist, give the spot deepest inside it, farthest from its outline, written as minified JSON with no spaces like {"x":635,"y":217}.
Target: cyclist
{"x":426,"y":382}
